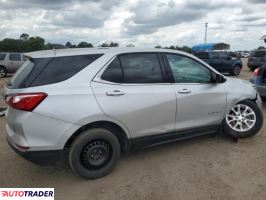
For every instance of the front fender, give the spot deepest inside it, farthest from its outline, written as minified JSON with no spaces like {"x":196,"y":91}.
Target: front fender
{"x":238,"y":90}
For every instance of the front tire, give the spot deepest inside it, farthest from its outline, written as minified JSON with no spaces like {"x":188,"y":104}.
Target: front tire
{"x":245,"y":119}
{"x":94,"y":153}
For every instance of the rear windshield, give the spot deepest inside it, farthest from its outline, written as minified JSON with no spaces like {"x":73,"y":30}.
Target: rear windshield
{"x":202,"y":55}
{"x":259,"y":54}
{"x":2,"y":56}
{"x":44,"y":71}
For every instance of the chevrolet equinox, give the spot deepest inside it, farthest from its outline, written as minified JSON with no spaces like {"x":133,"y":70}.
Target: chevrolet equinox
{"x":91,"y":105}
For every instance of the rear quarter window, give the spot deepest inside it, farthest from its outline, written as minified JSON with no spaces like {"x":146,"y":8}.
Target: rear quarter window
{"x":62,"y":68}
{"x":27,"y":72}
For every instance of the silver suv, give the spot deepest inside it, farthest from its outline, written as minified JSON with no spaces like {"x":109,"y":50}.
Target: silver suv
{"x":91,"y":105}
{"x":10,"y":63}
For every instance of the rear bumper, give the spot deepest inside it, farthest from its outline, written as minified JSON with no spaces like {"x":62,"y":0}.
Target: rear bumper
{"x":38,"y":132}
{"x":40,"y":157}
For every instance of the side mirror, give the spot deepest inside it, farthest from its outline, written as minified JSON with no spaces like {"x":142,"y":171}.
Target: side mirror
{"x":218,"y":78}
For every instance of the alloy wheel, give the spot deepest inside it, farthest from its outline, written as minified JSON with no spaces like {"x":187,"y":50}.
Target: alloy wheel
{"x":241,"y":118}
{"x":2,"y":73}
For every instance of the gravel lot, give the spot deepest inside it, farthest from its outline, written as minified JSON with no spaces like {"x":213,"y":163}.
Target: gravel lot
{"x":212,"y":167}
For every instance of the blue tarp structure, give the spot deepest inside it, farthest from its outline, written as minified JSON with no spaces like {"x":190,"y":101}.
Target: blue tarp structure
{"x":210,"y":47}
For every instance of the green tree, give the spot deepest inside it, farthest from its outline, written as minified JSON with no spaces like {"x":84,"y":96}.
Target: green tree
{"x":84,"y":45}
{"x":36,"y":43}
{"x":104,"y":44}
{"x":261,"y":47}
{"x":111,"y":44}
{"x":68,"y":44}
{"x":10,"y":45}
{"x":24,"y":37}
{"x":48,"y":46}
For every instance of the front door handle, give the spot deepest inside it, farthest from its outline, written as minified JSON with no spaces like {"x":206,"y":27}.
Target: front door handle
{"x":184,"y":91}
{"x":115,"y":93}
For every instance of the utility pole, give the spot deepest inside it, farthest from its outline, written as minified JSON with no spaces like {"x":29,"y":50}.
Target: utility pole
{"x":206,"y":29}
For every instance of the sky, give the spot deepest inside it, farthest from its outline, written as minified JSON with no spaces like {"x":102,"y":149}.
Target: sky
{"x":144,"y":23}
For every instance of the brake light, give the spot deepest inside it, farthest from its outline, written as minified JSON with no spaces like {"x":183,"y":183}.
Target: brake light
{"x":256,"y":72}
{"x":25,"y":101}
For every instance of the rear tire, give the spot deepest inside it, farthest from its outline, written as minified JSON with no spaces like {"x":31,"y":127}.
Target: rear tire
{"x":94,"y":153}
{"x":3,"y":72}
{"x":245,"y":119}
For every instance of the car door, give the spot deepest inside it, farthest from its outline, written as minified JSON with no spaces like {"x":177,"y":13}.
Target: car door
{"x":131,"y":90}
{"x":226,"y":62}
{"x":215,"y":61}
{"x":200,"y":103}
{"x":14,"y":62}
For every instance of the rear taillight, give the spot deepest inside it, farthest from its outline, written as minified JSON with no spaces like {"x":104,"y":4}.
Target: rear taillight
{"x":256,"y":72}
{"x":25,"y":101}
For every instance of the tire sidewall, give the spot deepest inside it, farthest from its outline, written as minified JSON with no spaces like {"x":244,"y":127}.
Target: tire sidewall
{"x":81,"y":141}
{"x":255,"y":129}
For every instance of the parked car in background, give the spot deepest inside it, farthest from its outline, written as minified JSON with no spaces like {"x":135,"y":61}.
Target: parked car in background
{"x":221,"y":61}
{"x":245,"y":55}
{"x":91,"y":105}
{"x":10,"y":63}
{"x":259,"y":80}
{"x":257,"y":59}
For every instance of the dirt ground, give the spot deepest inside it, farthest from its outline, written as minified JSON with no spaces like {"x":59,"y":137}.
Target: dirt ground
{"x":212,"y":167}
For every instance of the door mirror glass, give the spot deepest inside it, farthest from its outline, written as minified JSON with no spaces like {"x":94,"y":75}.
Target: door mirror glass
{"x":217,"y":78}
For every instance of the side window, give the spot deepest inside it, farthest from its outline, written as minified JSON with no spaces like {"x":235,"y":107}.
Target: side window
{"x":141,"y":68}
{"x":2,"y":56}
{"x":202,"y":55}
{"x":224,"y":56}
{"x":113,"y":72}
{"x":15,"y":57}
{"x":215,"y":55}
{"x":186,"y":70}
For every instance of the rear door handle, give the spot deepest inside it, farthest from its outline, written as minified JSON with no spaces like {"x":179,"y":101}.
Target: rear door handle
{"x":184,"y":91}
{"x":115,"y":93}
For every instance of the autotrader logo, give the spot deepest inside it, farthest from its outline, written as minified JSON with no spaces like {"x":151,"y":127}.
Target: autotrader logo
{"x":26,"y":193}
